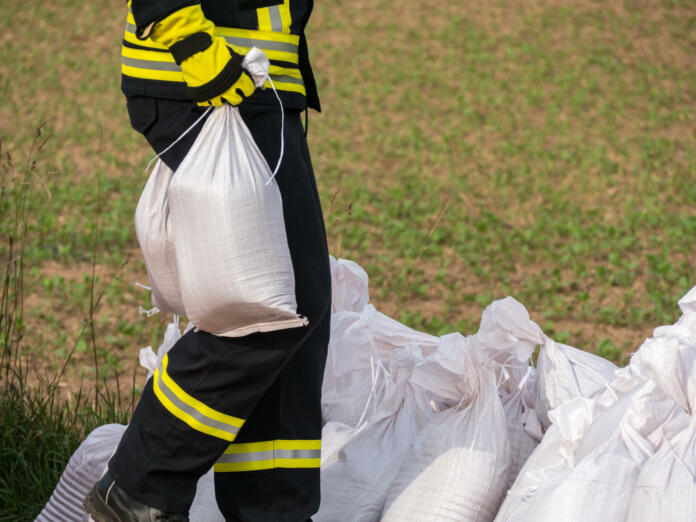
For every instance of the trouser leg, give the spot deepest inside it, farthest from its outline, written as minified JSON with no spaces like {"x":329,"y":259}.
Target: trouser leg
{"x":198,"y":402}
{"x":271,"y":471}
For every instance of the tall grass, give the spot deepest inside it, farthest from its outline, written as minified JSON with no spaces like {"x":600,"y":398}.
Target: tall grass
{"x":39,"y":430}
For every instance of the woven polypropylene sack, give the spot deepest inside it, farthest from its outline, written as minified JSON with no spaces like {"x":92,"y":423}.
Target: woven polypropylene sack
{"x":358,"y":341}
{"x":154,"y":232}
{"x":361,"y":465}
{"x":666,"y":487}
{"x":524,"y":431}
{"x":235,"y":271}
{"x":349,"y":288}
{"x":458,"y":465}
{"x":564,"y":373}
{"x":83,"y":470}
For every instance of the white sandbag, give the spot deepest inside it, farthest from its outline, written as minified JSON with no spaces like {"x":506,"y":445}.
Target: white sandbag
{"x":564,"y":372}
{"x":357,"y":342}
{"x":349,"y":286}
{"x":548,"y":459}
{"x":598,"y":488}
{"x":151,"y":360}
{"x":686,"y":326}
{"x":598,"y":461}
{"x":235,"y":271}
{"x":356,"y":481}
{"x":154,"y":232}
{"x":334,"y":436}
{"x":458,"y":465}
{"x":84,"y":468}
{"x":507,"y":335}
{"x":204,"y":507}
{"x":666,"y":487}
{"x":671,"y":363}
{"x":505,"y":341}
{"x":87,"y":465}
{"x":213,"y":234}
{"x":524,"y":428}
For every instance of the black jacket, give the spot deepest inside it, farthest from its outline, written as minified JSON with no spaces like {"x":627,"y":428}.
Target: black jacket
{"x":159,"y":80}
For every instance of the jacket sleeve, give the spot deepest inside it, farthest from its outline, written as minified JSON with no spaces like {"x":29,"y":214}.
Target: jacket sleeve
{"x":148,"y":12}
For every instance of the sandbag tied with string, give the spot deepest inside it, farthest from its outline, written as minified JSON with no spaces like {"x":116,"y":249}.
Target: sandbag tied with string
{"x":218,"y":251}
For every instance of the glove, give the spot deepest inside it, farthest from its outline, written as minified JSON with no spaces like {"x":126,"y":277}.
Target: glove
{"x":212,"y":70}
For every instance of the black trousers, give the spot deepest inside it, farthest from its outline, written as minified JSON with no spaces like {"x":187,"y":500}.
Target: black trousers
{"x":250,"y":406}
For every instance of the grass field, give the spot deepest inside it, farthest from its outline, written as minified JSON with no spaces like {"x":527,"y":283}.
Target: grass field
{"x":467,"y":151}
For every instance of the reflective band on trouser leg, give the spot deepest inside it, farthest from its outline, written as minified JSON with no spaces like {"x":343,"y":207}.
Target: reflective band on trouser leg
{"x":254,"y":456}
{"x":192,"y":411}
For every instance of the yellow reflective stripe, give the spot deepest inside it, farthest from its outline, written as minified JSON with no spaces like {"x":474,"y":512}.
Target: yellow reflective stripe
{"x":285,"y":16}
{"x":289,"y":87}
{"x":258,"y":35}
{"x":244,"y":33}
{"x":264,"y":17}
{"x":241,"y":41}
{"x":284,"y":71}
{"x":222,"y":467}
{"x":253,"y":456}
{"x":152,"y":74}
{"x":141,"y":54}
{"x":192,"y":411}
{"x":269,"y":445}
{"x":279,"y":46}
{"x":198,"y":405}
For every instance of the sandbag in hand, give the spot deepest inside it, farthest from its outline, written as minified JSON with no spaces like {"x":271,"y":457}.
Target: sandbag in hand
{"x":212,"y":70}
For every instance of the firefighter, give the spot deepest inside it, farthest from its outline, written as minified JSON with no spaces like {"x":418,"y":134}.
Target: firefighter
{"x":247,"y":407}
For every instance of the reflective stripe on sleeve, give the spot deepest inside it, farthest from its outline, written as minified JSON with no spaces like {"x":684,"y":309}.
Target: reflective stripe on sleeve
{"x":145,"y":59}
{"x":192,"y":411}
{"x":271,"y":454}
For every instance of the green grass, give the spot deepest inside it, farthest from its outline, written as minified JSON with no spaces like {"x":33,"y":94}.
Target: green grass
{"x":38,"y":434}
{"x":40,"y":426}
{"x":465,"y":153}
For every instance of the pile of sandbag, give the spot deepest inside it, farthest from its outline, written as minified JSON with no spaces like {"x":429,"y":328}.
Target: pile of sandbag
{"x":624,"y":452}
{"x":420,"y":428}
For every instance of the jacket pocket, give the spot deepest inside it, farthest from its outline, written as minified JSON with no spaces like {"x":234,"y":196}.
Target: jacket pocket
{"x":142,"y":112}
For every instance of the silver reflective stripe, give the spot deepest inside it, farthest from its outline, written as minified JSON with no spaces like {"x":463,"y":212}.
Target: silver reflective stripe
{"x":150,"y":64}
{"x":203,"y":419}
{"x":240,"y":41}
{"x":270,"y":455}
{"x":276,"y":22}
{"x":261,"y":44}
{"x":286,"y":79}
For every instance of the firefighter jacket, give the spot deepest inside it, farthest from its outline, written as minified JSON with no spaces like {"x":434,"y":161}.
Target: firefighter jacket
{"x":274,"y":26}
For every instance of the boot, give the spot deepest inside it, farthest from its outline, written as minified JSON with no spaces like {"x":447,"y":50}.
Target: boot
{"x":106,"y":502}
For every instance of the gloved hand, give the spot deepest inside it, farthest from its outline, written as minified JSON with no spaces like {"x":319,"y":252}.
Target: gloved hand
{"x":212,"y":70}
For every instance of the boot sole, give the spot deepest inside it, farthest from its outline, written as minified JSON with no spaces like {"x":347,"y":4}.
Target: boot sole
{"x":97,"y":509}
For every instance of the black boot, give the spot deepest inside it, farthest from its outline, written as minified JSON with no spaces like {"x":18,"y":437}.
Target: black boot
{"x":106,"y":502}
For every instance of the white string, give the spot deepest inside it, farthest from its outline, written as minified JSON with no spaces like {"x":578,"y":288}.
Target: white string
{"x":158,"y":155}
{"x":148,"y":313}
{"x":282,"y":135}
{"x":282,"y":132}
{"x":143,"y":286}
